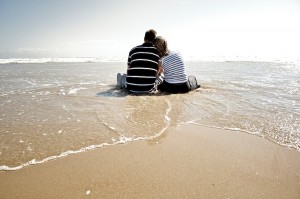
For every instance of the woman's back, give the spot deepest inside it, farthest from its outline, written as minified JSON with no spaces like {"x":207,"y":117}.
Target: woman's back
{"x":174,"y":69}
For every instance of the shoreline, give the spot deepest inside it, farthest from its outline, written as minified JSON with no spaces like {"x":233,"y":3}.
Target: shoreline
{"x":187,"y":161}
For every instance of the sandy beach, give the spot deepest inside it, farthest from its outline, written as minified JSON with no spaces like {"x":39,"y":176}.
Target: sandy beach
{"x":187,"y":161}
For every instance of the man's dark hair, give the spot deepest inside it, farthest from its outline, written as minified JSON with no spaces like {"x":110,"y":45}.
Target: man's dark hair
{"x":150,"y":35}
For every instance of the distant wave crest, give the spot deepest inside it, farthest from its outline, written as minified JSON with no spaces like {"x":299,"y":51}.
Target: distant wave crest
{"x":60,"y":60}
{"x":124,"y":59}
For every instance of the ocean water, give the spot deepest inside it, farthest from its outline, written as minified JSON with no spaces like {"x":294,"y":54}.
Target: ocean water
{"x":53,"y":109}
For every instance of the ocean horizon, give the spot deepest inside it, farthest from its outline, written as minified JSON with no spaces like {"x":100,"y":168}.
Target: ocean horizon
{"x":289,"y":59}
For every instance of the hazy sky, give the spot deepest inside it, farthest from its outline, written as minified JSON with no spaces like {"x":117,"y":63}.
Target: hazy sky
{"x":94,"y":28}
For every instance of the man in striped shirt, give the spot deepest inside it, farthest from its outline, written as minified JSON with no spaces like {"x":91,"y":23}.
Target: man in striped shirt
{"x":142,"y":65}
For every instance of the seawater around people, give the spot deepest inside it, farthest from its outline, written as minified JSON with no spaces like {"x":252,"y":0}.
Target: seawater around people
{"x":54,"y":109}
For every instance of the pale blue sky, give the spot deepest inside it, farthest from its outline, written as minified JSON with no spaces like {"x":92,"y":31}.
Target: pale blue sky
{"x":90,"y":28}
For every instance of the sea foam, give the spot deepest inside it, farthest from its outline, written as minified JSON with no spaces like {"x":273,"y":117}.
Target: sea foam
{"x":61,"y":60}
{"x":284,"y":59}
{"x":122,"y":140}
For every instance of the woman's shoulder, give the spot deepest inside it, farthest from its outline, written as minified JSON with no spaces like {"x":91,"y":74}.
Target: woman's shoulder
{"x":173,"y":56}
{"x":173,"y":53}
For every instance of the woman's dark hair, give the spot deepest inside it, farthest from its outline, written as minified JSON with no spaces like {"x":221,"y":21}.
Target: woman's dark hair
{"x":150,"y":35}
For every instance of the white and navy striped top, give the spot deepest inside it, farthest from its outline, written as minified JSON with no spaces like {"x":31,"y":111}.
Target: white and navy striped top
{"x":174,"y":69}
{"x":142,"y":68}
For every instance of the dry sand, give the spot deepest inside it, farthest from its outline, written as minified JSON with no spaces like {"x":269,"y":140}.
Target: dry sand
{"x":186,"y":162}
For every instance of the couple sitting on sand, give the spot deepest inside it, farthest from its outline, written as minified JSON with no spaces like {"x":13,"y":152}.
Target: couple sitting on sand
{"x":152,"y":66}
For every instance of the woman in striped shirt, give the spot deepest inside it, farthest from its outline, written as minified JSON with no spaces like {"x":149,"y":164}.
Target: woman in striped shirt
{"x":171,"y":63}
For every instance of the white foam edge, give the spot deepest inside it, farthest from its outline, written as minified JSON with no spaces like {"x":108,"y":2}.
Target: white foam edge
{"x":75,"y":90}
{"x":224,"y":128}
{"x":62,"y":60}
{"x":290,"y":146}
{"x":122,"y":140}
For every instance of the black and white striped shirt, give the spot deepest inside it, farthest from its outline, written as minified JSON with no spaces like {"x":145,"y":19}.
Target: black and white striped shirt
{"x":142,"y":68}
{"x":174,"y":69}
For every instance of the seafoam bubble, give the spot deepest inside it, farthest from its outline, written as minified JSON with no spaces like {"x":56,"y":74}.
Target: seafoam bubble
{"x":112,"y":128}
{"x":62,"y":92}
{"x":123,"y":139}
{"x":20,"y":113}
{"x":109,"y":126}
{"x":75,"y":90}
{"x":46,"y":85}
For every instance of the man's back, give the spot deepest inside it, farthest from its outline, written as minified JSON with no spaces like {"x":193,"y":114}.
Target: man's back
{"x":142,"y":68}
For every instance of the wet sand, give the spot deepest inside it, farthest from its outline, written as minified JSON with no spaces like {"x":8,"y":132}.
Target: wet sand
{"x":188,"y":161}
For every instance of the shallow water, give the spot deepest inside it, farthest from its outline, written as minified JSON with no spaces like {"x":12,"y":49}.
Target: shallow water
{"x":50,"y":110}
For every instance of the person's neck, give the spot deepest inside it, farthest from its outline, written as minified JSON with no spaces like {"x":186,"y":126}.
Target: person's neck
{"x":167,"y":52}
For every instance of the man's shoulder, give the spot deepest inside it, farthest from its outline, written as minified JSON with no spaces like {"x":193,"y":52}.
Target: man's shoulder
{"x":144,"y":47}
{"x":136,"y":47}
